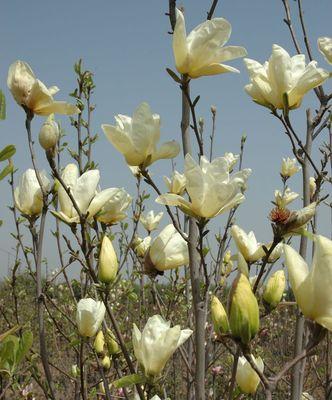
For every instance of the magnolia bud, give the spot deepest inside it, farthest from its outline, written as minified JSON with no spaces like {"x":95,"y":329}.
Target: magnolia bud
{"x":219,"y":316}
{"x":243,"y":310}
{"x":274,"y":289}
{"x":99,"y":343}
{"x":112,"y":344}
{"x":49,"y":133}
{"x":213,"y":110}
{"x":312,"y":186}
{"x":74,"y":370}
{"x":108,"y":262}
{"x":106,"y":362}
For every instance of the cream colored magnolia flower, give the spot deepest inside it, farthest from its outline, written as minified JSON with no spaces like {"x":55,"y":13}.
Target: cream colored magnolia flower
{"x":151,"y":221}
{"x":141,"y":246}
{"x":312,"y":186}
{"x":28,"y":195}
{"x":246,"y":377}
{"x":325,"y":47}
{"x":33,"y":94}
{"x":211,"y":189}
{"x":232,"y":160}
{"x":168,"y":250}
{"x":247,"y":244}
{"x":89,"y":316}
{"x":282,"y":199}
{"x":156,"y":344}
{"x":289,"y":167}
{"x":202,"y":52}
{"x":114,"y":210}
{"x":282,"y":75}
{"x":312,"y":288}
{"x":84,"y":191}
{"x":137,"y":137}
{"x":177,"y":183}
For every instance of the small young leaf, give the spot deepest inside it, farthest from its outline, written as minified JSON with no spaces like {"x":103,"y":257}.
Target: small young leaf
{"x":7,"y":152}
{"x":129,"y":380}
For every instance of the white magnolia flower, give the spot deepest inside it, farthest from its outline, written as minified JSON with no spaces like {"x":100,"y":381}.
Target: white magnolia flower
{"x":137,"y":137}
{"x":202,"y":52}
{"x":28,"y":195}
{"x":168,"y":250}
{"x":246,"y":377}
{"x":141,"y":246}
{"x":211,"y":189}
{"x":114,"y":209}
{"x":84,"y":191}
{"x":312,"y":289}
{"x":283,"y":199}
{"x":151,"y":221}
{"x":33,"y":94}
{"x":247,"y":244}
{"x":325,"y":47}
{"x":89,"y":316}
{"x":177,"y":183}
{"x":282,"y":75}
{"x":156,"y":344}
{"x":289,"y":167}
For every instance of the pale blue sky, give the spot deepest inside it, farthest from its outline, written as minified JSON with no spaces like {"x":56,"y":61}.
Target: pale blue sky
{"x":125,"y":43}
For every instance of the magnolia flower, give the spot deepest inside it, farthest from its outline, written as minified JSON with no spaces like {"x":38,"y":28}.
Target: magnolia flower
{"x":232,"y":160}
{"x":177,"y":183}
{"x":31,"y":93}
{"x":246,"y":377}
{"x":325,"y":47}
{"x":168,"y":250}
{"x":211,"y":189}
{"x":151,"y":221}
{"x":114,"y":209}
{"x":83,"y":189}
{"x":28,"y":195}
{"x":312,"y":186}
{"x":282,"y":199}
{"x":201,"y":52}
{"x":157,"y":343}
{"x":137,"y":137}
{"x":141,"y":246}
{"x":108,"y":262}
{"x":312,"y":289}
{"x":49,"y":133}
{"x":89,"y":316}
{"x":282,"y":75}
{"x":274,"y":288}
{"x":289,"y":167}
{"x":247,"y":244}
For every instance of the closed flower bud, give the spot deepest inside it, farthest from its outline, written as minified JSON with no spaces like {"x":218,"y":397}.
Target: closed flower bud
{"x":219,"y":316}
{"x":106,"y":362}
{"x":89,"y":316}
{"x":74,"y":371}
{"x":99,"y":343}
{"x":243,"y":310}
{"x":111,"y":343}
{"x":246,"y":377}
{"x":312,"y":186}
{"x":49,"y":133}
{"x":274,"y":289}
{"x":108,"y":262}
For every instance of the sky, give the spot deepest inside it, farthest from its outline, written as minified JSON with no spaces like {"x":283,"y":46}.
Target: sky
{"x":127,"y":46}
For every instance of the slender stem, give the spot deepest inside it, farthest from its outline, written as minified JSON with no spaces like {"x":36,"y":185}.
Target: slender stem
{"x":82,"y":371}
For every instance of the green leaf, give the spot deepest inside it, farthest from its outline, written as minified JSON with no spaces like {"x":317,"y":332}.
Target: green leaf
{"x":2,"y":105}
{"x":7,"y":170}
{"x":24,"y":346}
{"x":129,"y":380}
{"x":173,"y":75}
{"x":7,"y":152}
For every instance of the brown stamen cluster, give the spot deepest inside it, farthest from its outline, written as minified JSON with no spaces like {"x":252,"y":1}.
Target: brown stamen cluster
{"x":279,"y":215}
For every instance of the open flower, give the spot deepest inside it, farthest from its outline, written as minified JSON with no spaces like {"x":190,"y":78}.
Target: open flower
{"x":211,"y":189}
{"x":289,"y":167}
{"x":246,"y":377}
{"x":114,"y":209}
{"x":167,"y":251}
{"x":89,"y":316}
{"x":177,"y":183}
{"x":137,"y":137}
{"x":325,"y":47}
{"x":31,"y":93}
{"x":282,"y":199}
{"x":84,"y":191}
{"x":247,"y":244}
{"x":202,"y":52}
{"x":28,"y":195}
{"x":156,"y":344}
{"x":282,"y":75}
{"x":312,"y":289}
{"x":151,"y":221}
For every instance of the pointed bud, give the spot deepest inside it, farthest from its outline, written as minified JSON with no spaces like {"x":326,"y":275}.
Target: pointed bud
{"x":219,"y":316}
{"x":243,"y":310}
{"x":106,"y":362}
{"x":108,"y":263}
{"x":49,"y":133}
{"x":274,"y":289}
{"x":99,"y":343}
{"x":112,"y":344}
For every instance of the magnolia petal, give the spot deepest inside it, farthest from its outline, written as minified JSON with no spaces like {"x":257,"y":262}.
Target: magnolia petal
{"x":99,"y":201}
{"x":53,"y":90}
{"x":167,"y":150}
{"x":212,"y":69}
{"x":185,"y":334}
{"x":39,"y":97}
{"x":20,"y":81}
{"x":85,"y":189}
{"x":297,"y":267}
{"x":57,"y":107}
{"x":325,"y":47}
{"x":229,"y":53}
{"x":180,"y":48}
{"x":280,"y":70}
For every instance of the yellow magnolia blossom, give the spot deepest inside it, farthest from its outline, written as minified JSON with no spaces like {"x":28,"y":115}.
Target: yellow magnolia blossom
{"x":108,"y":262}
{"x":150,"y":221}
{"x":89,"y":316}
{"x":247,"y":244}
{"x":246,"y":377}
{"x":202,"y":52}
{"x":289,"y":167}
{"x":274,"y":289}
{"x":31,"y":93}
{"x":325,"y":47}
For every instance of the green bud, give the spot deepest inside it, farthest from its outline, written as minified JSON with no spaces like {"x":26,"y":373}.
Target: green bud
{"x":99,"y":343}
{"x":112,"y":344}
{"x":108,"y":263}
{"x":106,"y":362}
{"x":274,"y":289}
{"x":219,"y":316}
